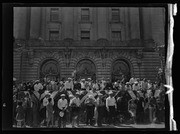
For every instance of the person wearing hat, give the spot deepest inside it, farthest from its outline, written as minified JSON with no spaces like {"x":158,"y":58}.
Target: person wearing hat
{"x":90,"y":105}
{"x":136,"y":86}
{"x":62,"y":105}
{"x":89,"y":83}
{"x":83,"y":84}
{"x":132,"y":80}
{"x":111,"y":107}
{"x":100,"y":109}
{"x":128,"y":86}
{"x":68,"y":85}
{"x":49,"y":112}
{"x":144,"y":84}
{"x":44,"y":103}
{"x":75,"y":107}
{"x":20,"y":114}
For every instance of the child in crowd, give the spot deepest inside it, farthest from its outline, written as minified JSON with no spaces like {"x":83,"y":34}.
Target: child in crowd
{"x":20,"y":116}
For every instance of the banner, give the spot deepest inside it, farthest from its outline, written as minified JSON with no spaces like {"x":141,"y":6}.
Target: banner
{"x":157,"y":92}
{"x":131,"y":93}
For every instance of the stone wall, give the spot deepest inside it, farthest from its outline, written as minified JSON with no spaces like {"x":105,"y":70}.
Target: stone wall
{"x":150,"y":62}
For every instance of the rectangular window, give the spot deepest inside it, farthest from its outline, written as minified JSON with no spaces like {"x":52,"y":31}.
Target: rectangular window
{"x":85,"y":14}
{"x":116,"y":35}
{"x":85,"y":35}
{"x":54,"y":14}
{"x":115,"y":15}
{"x":53,"y":35}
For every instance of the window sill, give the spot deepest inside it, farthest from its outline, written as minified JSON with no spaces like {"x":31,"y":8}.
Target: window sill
{"x":81,"y":22}
{"x":55,"y":22}
{"x":115,"y":22}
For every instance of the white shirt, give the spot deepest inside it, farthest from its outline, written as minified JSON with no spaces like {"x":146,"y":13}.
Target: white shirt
{"x":75,"y":100}
{"x":144,"y":85}
{"x":102,"y":85}
{"x":38,"y":86}
{"x":132,"y":80}
{"x":96,"y":86}
{"x":110,"y":101}
{"x":128,"y":87}
{"x":62,"y":103}
{"x":149,"y":85}
{"x":46,"y":102}
{"x":82,"y":84}
{"x":136,"y":87}
{"x":68,"y":85}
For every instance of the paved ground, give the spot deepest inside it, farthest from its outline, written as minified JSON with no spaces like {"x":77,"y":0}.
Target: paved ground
{"x":123,"y":126}
{"x":162,"y":125}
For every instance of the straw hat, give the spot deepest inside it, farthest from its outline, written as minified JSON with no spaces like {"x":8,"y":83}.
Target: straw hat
{"x":127,"y":83}
{"x":100,"y":94}
{"x":110,"y":92}
{"x":77,"y":93}
{"x":90,"y":96}
{"x":71,"y":96}
{"x":62,"y":95}
{"x":89,"y":78}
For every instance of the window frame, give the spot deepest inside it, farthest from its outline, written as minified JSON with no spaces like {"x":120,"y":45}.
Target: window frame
{"x":54,"y":13}
{"x":114,"y":36}
{"x":85,"y":37}
{"x":50,"y":33}
{"x":115,"y":15}
{"x":85,"y":16}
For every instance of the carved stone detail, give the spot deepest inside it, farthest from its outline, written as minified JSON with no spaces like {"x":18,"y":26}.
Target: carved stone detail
{"x":102,"y":42}
{"x":67,"y":56}
{"x":31,"y":57}
{"x":139,"y":54}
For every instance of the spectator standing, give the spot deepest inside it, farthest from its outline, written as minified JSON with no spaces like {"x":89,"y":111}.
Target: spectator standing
{"x":90,"y":105}
{"x":75,"y":109}
{"x":111,"y":107}
{"x":20,"y":116}
{"x":49,"y":112}
{"x":62,"y":105}
{"x":68,"y":85}
{"x":100,"y":109}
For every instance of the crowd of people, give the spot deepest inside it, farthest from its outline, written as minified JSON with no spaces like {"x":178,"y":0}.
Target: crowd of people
{"x":58,"y":103}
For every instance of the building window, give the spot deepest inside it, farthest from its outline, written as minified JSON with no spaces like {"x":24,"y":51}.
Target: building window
{"x":54,"y":14}
{"x":53,"y":35}
{"x":115,"y":15}
{"x":85,"y":35}
{"x":116,"y":35}
{"x":85,"y":14}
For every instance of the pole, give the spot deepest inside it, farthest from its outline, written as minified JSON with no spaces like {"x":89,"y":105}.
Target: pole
{"x":21,"y":67}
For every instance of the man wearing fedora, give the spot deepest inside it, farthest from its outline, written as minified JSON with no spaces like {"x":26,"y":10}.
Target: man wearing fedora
{"x":100,"y":109}
{"x":111,"y":107}
{"x":69,"y":84}
{"x":62,"y":105}
{"x":90,"y":105}
{"x":75,"y":107}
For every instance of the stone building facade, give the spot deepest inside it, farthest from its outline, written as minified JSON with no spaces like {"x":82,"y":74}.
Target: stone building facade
{"x":97,"y":42}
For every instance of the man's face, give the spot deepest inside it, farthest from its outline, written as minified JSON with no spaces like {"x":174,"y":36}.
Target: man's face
{"x":63,"y":97}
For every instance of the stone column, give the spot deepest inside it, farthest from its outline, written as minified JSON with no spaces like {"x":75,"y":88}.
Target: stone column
{"x":134,"y":22}
{"x":102,"y":25}
{"x":20,"y":22}
{"x":35,"y":26}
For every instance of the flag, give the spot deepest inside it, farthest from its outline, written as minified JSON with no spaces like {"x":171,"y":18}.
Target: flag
{"x":157,"y":92}
{"x":131,"y":93}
